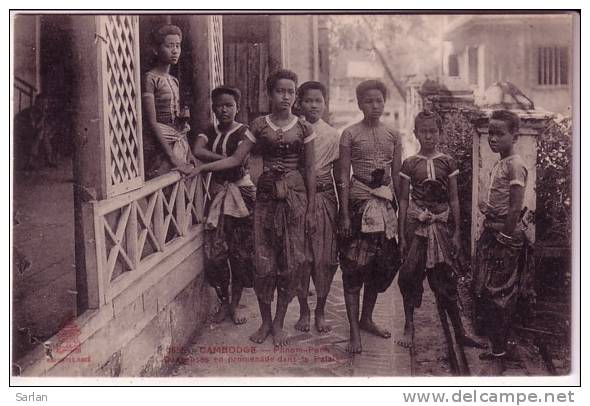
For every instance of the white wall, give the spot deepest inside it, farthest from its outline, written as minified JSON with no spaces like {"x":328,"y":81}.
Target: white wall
{"x":508,"y":53}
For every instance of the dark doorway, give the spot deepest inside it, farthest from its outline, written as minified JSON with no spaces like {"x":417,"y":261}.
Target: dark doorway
{"x":44,"y":273}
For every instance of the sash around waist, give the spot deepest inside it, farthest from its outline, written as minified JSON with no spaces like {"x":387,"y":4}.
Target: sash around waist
{"x":434,"y":208}
{"x":324,"y":183}
{"x":384,"y":182}
{"x":293,"y":180}
{"x":361,"y":191}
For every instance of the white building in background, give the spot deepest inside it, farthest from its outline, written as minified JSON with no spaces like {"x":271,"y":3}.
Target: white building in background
{"x":534,"y":52}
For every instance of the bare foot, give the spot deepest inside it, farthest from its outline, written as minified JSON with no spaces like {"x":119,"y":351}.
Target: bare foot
{"x":280,"y":337}
{"x":407,"y":339}
{"x":467,"y":341}
{"x":303,"y":322}
{"x":320,"y":324}
{"x":238,"y":316}
{"x":354,"y":346}
{"x":370,"y":327}
{"x":222,"y":313}
{"x":260,"y":335}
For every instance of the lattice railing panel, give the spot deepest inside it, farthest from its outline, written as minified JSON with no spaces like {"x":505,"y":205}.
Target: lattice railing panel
{"x":119,"y":36}
{"x":132,"y":229}
{"x":216,"y":50}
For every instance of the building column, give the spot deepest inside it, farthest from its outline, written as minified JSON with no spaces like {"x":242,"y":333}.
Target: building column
{"x":88,"y":161}
{"x":198,"y":38}
{"x":315,"y":48}
{"x":277,"y":51}
{"x":323,"y":58}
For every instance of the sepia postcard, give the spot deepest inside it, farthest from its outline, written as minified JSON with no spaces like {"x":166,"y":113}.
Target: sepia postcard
{"x":297,"y":195}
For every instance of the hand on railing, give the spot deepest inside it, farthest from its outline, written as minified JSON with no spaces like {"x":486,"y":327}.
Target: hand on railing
{"x":193,"y":160}
{"x":197,"y":170}
{"x":185,"y":169}
{"x":188,"y":170}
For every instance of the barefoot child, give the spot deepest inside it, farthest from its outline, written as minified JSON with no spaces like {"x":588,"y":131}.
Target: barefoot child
{"x":425,"y":237}
{"x":369,"y":254}
{"x":166,"y":146}
{"x":501,"y":249}
{"x":285,"y":202}
{"x":324,"y":260}
{"x":228,"y":230}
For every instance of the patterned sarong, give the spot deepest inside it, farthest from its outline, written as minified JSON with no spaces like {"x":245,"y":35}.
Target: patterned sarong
{"x":429,"y":252}
{"x":230,"y":240}
{"x":370,"y":258}
{"x":322,"y":253}
{"x":157,"y":162}
{"x":279,"y":233}
{"x":503,"y":272}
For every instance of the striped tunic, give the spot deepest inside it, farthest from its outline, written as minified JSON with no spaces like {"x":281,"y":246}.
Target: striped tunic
{"x":226,"y":145}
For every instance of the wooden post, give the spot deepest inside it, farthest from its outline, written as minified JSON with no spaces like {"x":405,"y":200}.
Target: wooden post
{"x":89,"y":165}
{"x":159,"y":229}
{"x":315,"y":49}
{"x":276,"y":48}
{"x":323,"y":57}
{"x":180,"y":207}
{"x":198,"y":38}
{"x":131,"y":237}
{"x":475,"y":165}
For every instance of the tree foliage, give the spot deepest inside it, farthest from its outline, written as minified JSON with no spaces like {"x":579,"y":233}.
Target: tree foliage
{"x":457,"y":140}
{"x":409,"y":43}
{"x":554,"y":186}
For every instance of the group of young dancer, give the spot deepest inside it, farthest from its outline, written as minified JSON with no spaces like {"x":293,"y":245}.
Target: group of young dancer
{"x":326,"y":200}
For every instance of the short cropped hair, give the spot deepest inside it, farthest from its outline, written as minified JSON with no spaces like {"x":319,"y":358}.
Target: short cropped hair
{"x":158,"y":35}
{"x":312,"y":85}
{"x":511,"y":119}
{"x":274,"y":77}
{"x":371,"y":84}
{"x":428,"y":115}
{"x":232,"y":91}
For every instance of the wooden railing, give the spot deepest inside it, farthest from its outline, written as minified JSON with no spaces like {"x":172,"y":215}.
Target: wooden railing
{"x":24,"y":94}
{"x":135,"y":231}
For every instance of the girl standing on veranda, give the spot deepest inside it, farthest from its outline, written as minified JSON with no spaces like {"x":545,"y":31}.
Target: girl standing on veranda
{"x":285,"y":202}
{"x":166,"y":147}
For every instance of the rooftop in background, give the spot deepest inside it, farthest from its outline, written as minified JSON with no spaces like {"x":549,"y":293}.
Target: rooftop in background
{"x":458,"y":25}
{"x":533,"y":51}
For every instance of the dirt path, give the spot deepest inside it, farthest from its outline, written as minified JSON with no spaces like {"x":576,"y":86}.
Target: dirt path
{"x":44,"y":274}
{"x":312,"y":354}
